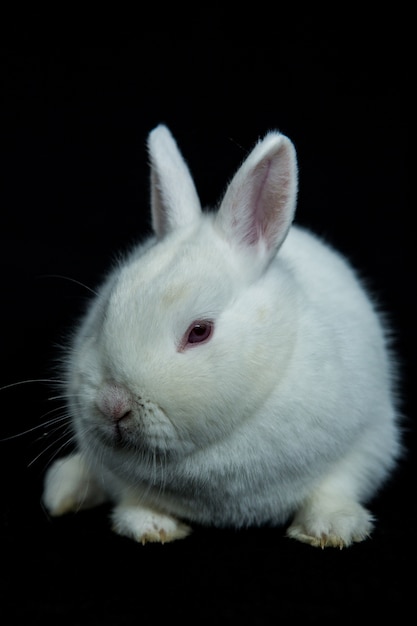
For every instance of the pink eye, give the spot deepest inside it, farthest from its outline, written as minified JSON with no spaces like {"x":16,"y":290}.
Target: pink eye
{"x":199,"y":331}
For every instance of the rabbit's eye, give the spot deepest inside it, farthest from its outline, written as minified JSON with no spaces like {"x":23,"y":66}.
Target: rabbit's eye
{"x":199,"y":331}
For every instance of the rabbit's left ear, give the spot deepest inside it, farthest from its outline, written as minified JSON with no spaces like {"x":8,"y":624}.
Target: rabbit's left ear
{"x":174,"y":199}
{"x":259,"y":205}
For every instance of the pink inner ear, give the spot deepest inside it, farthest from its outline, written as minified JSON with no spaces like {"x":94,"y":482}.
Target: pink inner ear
{"x":270,"y":204}
{"x":257,"y":224}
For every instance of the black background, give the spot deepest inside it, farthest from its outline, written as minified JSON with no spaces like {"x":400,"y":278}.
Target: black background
{"x":77,"y":105}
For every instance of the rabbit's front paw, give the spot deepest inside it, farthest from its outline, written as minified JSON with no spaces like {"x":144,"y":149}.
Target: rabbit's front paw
{"x":69,"y":487}
{"x":331,"y":523}
{"x":145,"y":526}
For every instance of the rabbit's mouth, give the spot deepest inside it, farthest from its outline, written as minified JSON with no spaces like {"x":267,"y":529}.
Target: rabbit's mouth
{"x":119,"y":434}
{"x":144,"y":427}
{"x":120,"y":437}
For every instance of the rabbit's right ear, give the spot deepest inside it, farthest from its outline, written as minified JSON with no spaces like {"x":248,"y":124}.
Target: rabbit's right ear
{"x":174,"y":199}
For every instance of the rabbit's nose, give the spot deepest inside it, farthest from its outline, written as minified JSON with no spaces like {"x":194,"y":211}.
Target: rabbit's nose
{"x":114,"y":401}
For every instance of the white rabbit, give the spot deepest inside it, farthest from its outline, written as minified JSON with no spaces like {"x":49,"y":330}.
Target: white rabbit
{"x":231,"y":371}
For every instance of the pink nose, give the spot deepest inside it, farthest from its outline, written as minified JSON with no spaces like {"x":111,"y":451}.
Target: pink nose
{"x":114,"y":401}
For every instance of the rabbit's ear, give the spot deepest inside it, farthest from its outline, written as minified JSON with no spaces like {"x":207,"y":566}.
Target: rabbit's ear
{"x":259,"y":205}
{"x":174,"y":199}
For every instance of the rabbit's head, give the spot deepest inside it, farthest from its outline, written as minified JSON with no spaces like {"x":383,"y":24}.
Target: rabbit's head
{"x":185,"y":338}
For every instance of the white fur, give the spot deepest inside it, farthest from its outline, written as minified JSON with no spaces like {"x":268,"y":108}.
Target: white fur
{"x":286,"y":411}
